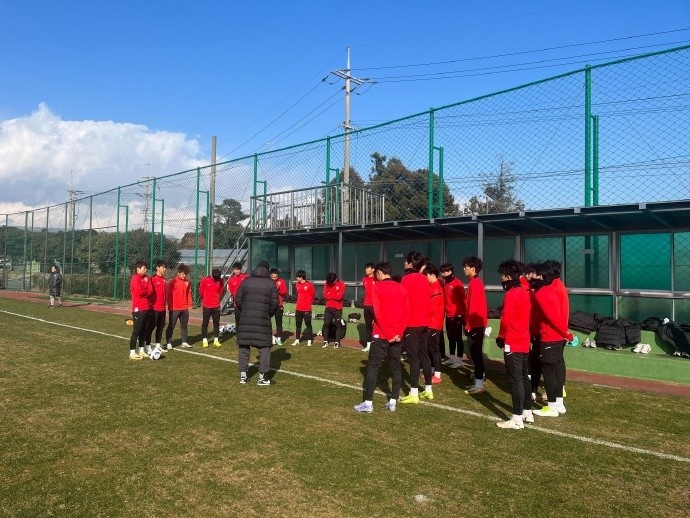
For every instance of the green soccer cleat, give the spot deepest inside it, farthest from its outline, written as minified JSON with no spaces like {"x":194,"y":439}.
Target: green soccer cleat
{"x":409,"y":400}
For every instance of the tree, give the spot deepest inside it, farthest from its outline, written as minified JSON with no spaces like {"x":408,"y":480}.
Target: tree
{"x":138,"y":247}
{"x":406,"y":192}
{"x":499,"y":194}
{"x":227,"y":226}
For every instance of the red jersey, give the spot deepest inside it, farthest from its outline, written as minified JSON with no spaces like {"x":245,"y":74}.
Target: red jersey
{"x":524,"y":283}
{"x":179,"y":295}
{"x":551,"y":315}
{"x":234,"y":283}
{"x":391,"y":309}
{"x":282,"y":290}
{"x":515,"y":320}
{"x":418,"y":297}
{"x":368,"y":282}
{"x":334,"y":293}
{"x":476,"y":314}
{"x":159,"y":285}
{"x":562,"y":292}
{"x":454,"y":292}
{"x":211,"y":291}
{"x":305,"y":295}
{"x":140,"y":290}
{"x":436,"y":306}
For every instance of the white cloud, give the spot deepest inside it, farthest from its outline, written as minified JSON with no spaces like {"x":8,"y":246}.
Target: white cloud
{"x":41,"y":153}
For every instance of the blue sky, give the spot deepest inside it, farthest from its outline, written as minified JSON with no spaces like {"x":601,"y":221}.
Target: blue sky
{"x":102,"y":94}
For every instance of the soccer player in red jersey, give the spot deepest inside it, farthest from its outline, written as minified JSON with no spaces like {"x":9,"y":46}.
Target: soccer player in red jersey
{"x":305,"y":298}
{"x":514,"y":339}
{"x":234,"y":282}
{"x":333,"y":292}
{"x":211,"y":290}
{"x":454,"y":295}
{"x":417,"y":333}
{"x":179,"y":303}
{"x":159,"y":285}
{"x":140,"y":290}
{"x":436,"y":314}
{"x":282,"y":291}
{"x":476,"y":318}
{"x":368,"y":282}
{"x":391,"y":312}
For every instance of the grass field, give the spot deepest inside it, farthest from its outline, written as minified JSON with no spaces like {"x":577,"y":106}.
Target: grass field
{"x":87,"y":432}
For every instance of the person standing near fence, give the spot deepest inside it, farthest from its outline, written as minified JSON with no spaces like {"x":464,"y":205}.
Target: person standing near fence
{"x":417,"y":333}
{"x":333,"y":292}
{"x":305,"y":298}
{"x":281,"y":286}
{"x":454,"y":297}
{"x":234,"y":282}
{"x":179,"y":303}
{"x":55,"y":286}
{"x":391,"y":314}
{"x":159,"y":285}
{"x":141,"y":292}
{"x":257,"y":298}
{"x":476,"y":318}
{"x":514,"y":340}
{"x":436,"y":314}
{"x":368,"y":282}
{"x":211,"y":291}
{"x":553,"y":326}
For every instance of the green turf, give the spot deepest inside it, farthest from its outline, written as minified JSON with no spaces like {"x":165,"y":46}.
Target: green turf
{"x":87,"y":432}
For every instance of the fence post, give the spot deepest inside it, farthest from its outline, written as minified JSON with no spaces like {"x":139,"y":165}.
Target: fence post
{"x":162,"y":220}
{"x":45,"y":251}
{"x":153,"y":222}
{"x":430,"y":186}
{"x":88,"y":260}
{"x":26,"y":231}
{"x":588,"y":134}
{"x":196,"y":237}
{"x":117,"y":245}
{"x":595,"y":160}
{"x":253,"y":208}
{"x":124,"y":262}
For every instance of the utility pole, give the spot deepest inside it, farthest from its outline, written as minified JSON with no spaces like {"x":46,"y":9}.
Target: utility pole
{"x":73,"y":194}
{"x":347,"y":127}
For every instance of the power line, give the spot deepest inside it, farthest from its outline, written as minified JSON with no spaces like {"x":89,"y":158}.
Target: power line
{"x":492,"y":70}
{"x":533,"y":51}
{"x":529,"y":13}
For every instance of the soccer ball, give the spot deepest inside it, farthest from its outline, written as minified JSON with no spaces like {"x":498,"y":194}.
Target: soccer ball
{"x":155,"y":354}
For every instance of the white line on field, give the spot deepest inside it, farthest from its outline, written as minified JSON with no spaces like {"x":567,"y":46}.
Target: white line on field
{"x":557,"y":433}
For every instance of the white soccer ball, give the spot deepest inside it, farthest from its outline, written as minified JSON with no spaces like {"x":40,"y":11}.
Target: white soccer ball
{"x":155,"y":354}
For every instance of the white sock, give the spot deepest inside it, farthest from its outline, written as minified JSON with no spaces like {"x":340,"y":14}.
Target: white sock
{"x":552,"y":405}
{"x":534,"y":395}
{"x":559,"y":401}
{"x":414,"y":392}
{"x":392,"y":402}
{"x":518,"y":419}
{"x":428,"y":388}
{"x":368,"y":402}
{"x":368,"y":344}
{"x":479,"y":383}
{"x":437,"y":374}
{"x":243,"y":374}
{"x":526,"y":413}
{"x":132,"y":352}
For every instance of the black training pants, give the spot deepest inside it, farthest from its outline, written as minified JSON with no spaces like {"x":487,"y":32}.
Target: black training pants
{"x":380,"y":350}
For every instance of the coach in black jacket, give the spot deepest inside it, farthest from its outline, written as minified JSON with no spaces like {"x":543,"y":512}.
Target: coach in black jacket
{"x":257,"y":298}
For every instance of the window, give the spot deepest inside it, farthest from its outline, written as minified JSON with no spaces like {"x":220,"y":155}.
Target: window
{"x":586,"y":262}
{"x":645,"y":261}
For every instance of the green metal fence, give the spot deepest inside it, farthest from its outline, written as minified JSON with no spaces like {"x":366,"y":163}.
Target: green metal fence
{"x":607,"y":134}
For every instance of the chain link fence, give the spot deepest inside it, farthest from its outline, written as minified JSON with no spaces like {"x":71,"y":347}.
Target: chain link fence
{"x":609,"y":134}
